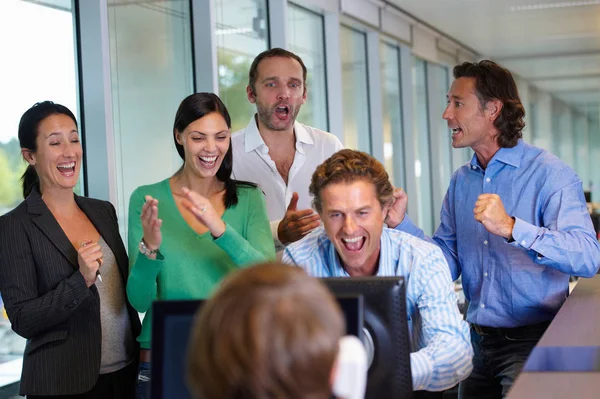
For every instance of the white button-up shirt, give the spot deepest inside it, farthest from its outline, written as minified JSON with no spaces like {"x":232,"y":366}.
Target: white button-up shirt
{"x":251,"y":162}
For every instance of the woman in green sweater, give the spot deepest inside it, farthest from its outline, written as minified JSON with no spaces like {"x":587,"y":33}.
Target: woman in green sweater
{"x":187,"y":232}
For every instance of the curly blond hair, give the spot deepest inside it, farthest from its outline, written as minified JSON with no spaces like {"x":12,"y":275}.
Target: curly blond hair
{"x":348,"y":166}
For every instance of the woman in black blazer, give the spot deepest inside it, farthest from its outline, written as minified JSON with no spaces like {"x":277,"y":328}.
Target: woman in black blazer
{"x":63,"y":272}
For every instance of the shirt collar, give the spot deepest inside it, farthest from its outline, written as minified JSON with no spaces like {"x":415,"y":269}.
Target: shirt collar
{"x":302,"y":136}
{"x":254,"y":140}
{"x":510,"y":156}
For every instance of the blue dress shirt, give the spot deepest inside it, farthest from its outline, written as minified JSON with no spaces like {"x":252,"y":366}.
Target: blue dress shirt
{"x":525,"y":281}
{"x":442,"y":353}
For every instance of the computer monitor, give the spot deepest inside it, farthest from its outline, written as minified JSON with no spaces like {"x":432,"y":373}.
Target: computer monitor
{"x":171,"y":326}
{"x":386,"y":334}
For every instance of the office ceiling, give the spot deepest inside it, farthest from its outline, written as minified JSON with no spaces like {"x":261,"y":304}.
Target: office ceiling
{"x":555,"y":44}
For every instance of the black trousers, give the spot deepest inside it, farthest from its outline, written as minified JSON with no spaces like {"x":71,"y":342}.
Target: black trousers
{"x":119,"y":384}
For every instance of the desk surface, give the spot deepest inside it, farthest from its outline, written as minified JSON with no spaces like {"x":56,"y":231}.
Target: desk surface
{"x":578,"y":321}
{"x":577,"y":324}
{"x":556,"y":385}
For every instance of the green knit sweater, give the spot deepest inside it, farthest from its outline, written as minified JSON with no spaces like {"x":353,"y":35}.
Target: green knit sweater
{"x":192,"y":264}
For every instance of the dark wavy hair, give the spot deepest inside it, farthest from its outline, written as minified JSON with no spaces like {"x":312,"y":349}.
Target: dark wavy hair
{"x":194,"y":107}
{"x":495,"y":82}
{"x":28,"y":132}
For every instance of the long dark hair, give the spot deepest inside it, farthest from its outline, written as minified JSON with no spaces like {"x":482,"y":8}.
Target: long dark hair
{"x":494,"y":82}
{"x":194,"y":107}
{"x":28,"y":132}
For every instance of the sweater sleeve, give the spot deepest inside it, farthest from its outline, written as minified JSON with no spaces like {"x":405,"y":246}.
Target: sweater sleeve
{"x":257,"y":244}
{"x":141,"y":285}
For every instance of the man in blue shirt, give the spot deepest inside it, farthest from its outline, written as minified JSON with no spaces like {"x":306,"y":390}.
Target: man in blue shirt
{"x":352,"y":194}
{"x":514,"y":224}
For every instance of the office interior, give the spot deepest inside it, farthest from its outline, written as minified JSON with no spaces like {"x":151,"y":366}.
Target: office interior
{"x":378,"y":73}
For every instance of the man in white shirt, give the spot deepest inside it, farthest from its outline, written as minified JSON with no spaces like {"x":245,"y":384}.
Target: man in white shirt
{"x":277,"y":152}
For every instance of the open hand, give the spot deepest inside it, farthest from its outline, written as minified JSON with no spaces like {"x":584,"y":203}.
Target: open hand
{"x":296,"y":224}
{"x":203,"y":210}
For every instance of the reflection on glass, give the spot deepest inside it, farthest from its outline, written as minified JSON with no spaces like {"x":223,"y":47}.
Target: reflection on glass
{"x":421,"y":148}
{"x":151,"y":72}
{"x":307,"y":41}
{"x":581,"y":147}
{"x":392,"y":110}
{"x":355,"y":96}
{"x":242,"y":33}
{"x":443,"y":133}
{"x":38,"y":50}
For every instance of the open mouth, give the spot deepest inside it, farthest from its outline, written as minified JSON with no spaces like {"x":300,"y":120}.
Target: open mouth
{"x":455,"y":131}
{"x":354,"y":244}
{"x":208,"y":162}
{"x":282,"y":111}
{"x":66,"y":169}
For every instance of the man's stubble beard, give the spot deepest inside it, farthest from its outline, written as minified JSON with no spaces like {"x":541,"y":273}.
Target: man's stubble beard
{"x":265,"y":115}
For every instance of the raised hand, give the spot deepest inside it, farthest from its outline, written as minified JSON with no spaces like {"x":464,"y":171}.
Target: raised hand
{"x":203,"y":210}
{"x":151,"y":223}
{"x":489,"y":211}
{"x":397,"y":209}
{"x":296,"y":224}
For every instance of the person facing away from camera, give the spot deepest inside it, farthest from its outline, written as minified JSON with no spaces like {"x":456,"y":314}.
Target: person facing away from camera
{"x":271,"y":331}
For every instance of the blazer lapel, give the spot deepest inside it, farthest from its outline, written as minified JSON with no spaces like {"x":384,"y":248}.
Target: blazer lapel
{"x":45,"y":221}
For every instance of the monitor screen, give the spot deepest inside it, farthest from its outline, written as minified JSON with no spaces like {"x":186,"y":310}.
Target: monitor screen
{"x":171,"y":326}
{"x":385,"y":333}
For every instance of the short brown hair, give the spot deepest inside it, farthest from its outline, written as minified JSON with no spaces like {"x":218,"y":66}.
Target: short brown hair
{"x":494,"y":82}
{"x":347,"y":166}
{"x":274,"y":52}
{"x":270,"y":331}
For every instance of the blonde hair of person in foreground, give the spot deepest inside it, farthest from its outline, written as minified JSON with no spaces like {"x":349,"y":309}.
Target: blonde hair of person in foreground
{"x":270,"y":331}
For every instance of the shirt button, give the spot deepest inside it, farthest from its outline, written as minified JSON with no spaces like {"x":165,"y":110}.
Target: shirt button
{"x":485,"y":274}
{"x":523,"y":242}
{"x":473,"y":167}
{"x":485,"y":242}
{"x":482,"y":305}
{"x":488,"y":180}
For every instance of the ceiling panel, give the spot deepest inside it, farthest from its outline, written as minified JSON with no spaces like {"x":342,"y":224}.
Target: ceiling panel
{"x":556,"y":46}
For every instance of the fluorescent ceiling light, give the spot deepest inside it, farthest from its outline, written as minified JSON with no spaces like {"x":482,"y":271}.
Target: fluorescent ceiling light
{"x":563,"y":4}
{"x":233,"y":31}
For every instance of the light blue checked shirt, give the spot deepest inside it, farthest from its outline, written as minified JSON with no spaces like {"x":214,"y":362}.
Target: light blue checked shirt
{"x":511,"y":284}
{"x":442,"y":354}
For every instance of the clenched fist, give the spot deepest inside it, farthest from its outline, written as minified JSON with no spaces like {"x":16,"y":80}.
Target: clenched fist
{"x":490,"y":212}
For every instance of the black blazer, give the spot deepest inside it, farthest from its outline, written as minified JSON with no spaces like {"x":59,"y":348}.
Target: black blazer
{"x":47,"y":300}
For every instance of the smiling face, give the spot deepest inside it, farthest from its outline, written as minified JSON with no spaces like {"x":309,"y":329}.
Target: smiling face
{"x":57,"y":160}
{"x":471,"y":126}
{"x":353,"y":220}
{"x":205,"y":143}
{"x":279,"y":92}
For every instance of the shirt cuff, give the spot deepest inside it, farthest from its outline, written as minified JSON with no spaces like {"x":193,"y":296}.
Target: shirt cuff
{"x":421,"y":368}
{"x":151,"y":267}
{"x":278,"y":244}
{"x":407,"y":226}
{"x":524,"y":233}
